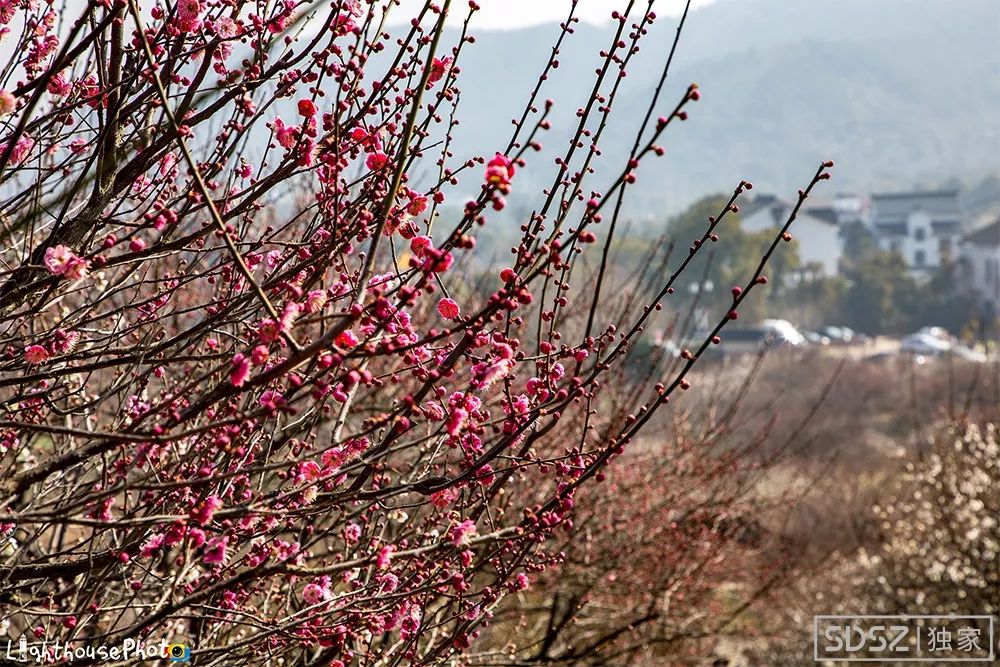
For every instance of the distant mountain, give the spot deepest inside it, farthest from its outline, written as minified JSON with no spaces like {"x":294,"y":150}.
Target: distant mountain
{"x":899,"y":93}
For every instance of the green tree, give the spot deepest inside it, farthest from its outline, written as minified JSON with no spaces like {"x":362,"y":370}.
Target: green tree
{"x":941,"y":305}
{"x":883,"y":298}
{"x":812,"y":303}
{"x":859,"y":243}
{"x":734,"y":257}
{"x":881,"y":295}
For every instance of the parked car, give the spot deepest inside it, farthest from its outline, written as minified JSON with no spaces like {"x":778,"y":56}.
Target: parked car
{"x":816,"y":338}
{"x":855,"y":336}
{"x":938,"y":332}
{"x":837,"y":335}
{"x":924,"y":344}
{"x":742,"y":340}
{"x":843,"y":335}
{"x":784,"y":332}
{"x":751,"y":340}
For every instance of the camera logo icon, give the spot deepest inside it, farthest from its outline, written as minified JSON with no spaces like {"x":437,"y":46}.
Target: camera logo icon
{"x":179,"y":653}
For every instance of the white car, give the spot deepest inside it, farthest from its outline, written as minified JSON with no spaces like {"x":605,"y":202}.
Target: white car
{"x":924,"y":343}
{"x":938,"y":332}
{"x":784,"y":331}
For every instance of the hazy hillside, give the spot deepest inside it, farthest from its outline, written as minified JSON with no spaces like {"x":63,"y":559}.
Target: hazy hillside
{"x":898,"y":92}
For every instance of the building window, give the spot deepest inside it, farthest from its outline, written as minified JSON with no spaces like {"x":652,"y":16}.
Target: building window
{"x":894,"y":245}
{"x":920,"y":258}
{"x":920,"y":234}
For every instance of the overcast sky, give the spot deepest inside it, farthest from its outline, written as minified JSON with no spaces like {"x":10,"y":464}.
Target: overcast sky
{"x":521,"y":13}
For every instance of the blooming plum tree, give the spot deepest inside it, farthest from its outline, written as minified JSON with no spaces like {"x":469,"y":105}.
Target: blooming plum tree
{"x":250,"y":402}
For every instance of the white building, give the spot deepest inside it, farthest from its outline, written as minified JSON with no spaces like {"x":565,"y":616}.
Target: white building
{"x":980,"y":263}
{"x":818,"y":235}
{"x":923,"y":227}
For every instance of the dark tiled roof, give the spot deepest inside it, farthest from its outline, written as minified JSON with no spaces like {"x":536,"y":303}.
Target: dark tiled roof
{"x":945,"y":226}
{"x":983,"y":196}
{"x":780,"y":209}
{"x":949,"y":192}
{"x":901,"y":204}
{"x":824,"y":213}
{"x":892,"y":228}
{"x":761,"y":201}
{"x":987,"y":236}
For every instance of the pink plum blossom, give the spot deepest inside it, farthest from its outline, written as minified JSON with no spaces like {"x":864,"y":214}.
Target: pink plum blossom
{"x":61,"y":261}
{"x":36,"y":354}
{"x":448,"y":309}
{"x":463,"y":532}
{"x":215,"y":551}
